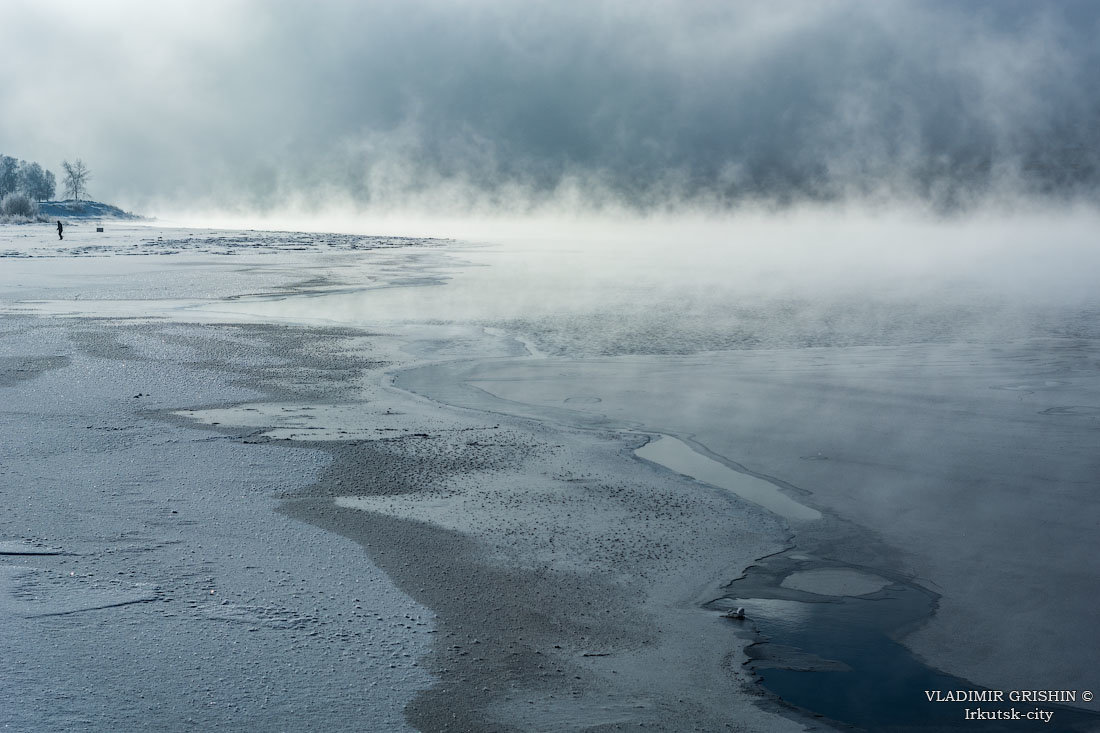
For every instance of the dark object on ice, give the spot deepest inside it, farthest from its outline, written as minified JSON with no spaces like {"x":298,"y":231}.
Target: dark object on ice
{"x":59,"y":228}
{"x":99,"y":229}
{"x":738,"y":613}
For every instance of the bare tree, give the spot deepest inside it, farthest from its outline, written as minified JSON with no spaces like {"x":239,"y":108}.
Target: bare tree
{"x":76,"y":178}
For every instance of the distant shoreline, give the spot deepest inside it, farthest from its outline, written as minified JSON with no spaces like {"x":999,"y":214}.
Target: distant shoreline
{"x":82,"y":209}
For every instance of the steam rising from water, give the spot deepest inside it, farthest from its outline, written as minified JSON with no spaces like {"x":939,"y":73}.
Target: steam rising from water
{"x":493,"y":107}
{"x":806,"y":277}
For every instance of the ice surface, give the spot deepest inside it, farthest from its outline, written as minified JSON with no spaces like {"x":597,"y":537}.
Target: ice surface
{"x":20,"y":547}
{"x":175,"y":595}
{"x":953,"y":420}
{"x":30,"y":593}
{"x":835,"y":582}
{"x":675,"y":455}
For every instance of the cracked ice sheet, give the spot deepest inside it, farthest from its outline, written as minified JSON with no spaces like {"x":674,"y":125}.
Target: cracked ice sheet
{"x":341,"y":422}
{"x":32,"y":593}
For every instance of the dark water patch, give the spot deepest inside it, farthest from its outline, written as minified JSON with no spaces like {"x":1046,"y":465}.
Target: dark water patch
{"x":836,"y":655}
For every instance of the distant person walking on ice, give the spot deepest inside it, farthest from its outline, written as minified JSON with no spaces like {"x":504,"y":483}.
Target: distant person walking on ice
{"x":59,"y":228}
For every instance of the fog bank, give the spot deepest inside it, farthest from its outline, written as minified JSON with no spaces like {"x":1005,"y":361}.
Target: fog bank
{"x":493,"y":106}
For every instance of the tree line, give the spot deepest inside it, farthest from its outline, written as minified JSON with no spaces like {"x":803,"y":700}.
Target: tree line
{"x":19,"y":176}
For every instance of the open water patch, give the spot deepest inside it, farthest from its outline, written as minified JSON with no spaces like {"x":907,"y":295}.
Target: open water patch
{"x":835,"y":654}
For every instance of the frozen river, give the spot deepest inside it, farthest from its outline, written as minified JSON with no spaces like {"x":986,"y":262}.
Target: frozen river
{"x":903,"y":432}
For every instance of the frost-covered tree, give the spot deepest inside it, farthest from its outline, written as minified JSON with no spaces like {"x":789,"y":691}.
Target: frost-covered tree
{"x":39,"y":184}
{"x":76,"y":178}
{"x":18,"y":205}
{"x":9,"y":175}
{"x":19,"y":176}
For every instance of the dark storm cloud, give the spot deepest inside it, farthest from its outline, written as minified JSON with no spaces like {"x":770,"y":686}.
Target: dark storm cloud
{"x":507,"y":102}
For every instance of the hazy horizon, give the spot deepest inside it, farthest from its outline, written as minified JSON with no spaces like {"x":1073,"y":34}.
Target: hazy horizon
{"x":491,"y":108}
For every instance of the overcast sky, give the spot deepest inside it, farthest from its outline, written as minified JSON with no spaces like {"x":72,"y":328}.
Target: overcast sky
{"x":262,"y":101}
